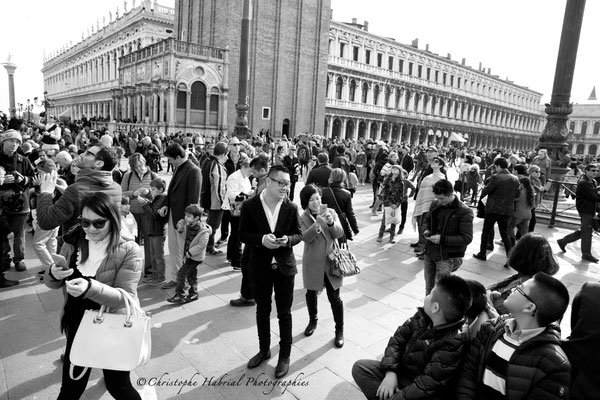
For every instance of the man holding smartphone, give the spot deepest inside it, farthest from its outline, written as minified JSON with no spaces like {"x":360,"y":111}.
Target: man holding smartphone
{"x":269,"y":223}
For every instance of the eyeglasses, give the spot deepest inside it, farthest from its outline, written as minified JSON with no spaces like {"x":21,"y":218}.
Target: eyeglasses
{"x":593,"y":170}
{"x":519,"y":289}
{"x":89,"y":153}
{"x":281,"y":184}
{"x":98,"y":223}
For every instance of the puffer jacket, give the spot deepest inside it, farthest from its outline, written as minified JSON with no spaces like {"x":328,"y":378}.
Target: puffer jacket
{"x":538,"y":369}
{"x":426,"y":358}
{"x":456,"y":230}
{"x":123,"y":270}
{"x":66,"y":210}
{"x":16,"y":195}
{"x":197,"y":248}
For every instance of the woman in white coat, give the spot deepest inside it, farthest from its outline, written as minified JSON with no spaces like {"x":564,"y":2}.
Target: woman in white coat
{"x":320,"y":227}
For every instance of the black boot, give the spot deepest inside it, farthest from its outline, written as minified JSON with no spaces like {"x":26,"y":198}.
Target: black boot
{"x":392,"y":233}
{"x":311,"y":305}
{"x":338,"y":317}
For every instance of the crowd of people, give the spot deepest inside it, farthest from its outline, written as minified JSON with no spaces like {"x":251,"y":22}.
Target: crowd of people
{"x":99,"y":230}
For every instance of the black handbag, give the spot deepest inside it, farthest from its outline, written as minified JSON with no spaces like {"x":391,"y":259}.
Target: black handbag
{"x":480,"y":209}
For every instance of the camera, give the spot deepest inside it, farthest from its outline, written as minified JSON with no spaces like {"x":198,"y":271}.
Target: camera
{"x":241,"y":197}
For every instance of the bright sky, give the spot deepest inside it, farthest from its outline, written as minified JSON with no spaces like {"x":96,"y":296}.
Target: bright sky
{"x":515,"y":38}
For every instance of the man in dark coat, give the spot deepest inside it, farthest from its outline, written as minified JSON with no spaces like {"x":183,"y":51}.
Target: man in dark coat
{"x":586,"y":196}
{"x":184,"y":189}
{"x":270,"y":224}
{"x":501,"y":191}
{"x":319,"y":175}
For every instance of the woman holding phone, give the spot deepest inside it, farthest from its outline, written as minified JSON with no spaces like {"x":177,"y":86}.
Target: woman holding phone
{"x":105,"y":262}
{"x":320,"y":227}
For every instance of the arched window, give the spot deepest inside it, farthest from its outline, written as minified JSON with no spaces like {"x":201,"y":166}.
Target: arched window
{"x":339,"y":84}
{"x":572,"y":127}
{"x":352,"y":90}
{"x":596,"y":128}
{"x":376,"y":92}
{"x":583,"y":128}
{"x":365,"y":91}
{"x":198,"y":99}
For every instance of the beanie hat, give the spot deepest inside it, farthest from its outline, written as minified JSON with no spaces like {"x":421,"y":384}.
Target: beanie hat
{"x":12,"y":134}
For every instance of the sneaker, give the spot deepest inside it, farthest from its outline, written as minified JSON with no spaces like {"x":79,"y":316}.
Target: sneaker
{"x":221,"y":242}
{"x":178,"y":299}
{"x":169,"y":285}
{"x":214,"y":252}
{"x":379,"y":238}
{"x":192,"y":297}
{"x":392,"y":240}
{"x":414,"y":244}
{"x":237,"y":269}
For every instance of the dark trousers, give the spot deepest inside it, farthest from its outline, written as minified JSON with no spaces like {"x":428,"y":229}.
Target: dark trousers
{"x":225,"y":224}
{"x":337,"y":306}
{"x":488,"y":231}
{"x":247,"y":286}
{"x":403,"y":210}
{"x":142,"y":224}
{"x":368,"y":375}
{"x":234,"y":246}
{"x":117,"y":383}
{"x":292,"y":188}
{"x":584,"y":233}
{"x":156,"y":249}
{"x":18,"y":223}
{"x":188,"y":273}
{"x":266,"y":281}
{"x":532,"y":221}
{"x":213,"y":220}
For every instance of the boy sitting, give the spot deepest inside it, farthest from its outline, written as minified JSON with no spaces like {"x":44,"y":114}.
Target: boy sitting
{"x":423,"y":357}
{"x":518,"y":356}
{"x":195,"y":234}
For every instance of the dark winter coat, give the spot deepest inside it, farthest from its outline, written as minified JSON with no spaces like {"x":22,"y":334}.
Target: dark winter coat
{"x":538,"y":369}
{"x":344,"y":199}
{"x":426,"y":358}
{"x":456,"y":229}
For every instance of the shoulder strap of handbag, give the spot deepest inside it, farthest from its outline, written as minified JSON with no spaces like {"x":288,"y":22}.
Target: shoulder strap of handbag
{"x":341,"y":212}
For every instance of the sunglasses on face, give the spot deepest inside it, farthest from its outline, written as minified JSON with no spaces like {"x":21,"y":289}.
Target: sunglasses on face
{"x":98,"y":223}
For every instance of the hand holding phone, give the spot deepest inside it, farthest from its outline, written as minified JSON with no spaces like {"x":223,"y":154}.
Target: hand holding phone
{"x":322,"y":209}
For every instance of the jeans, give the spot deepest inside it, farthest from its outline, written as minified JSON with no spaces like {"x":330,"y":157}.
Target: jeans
{"x":213,"y":220}
{"x":44,"y":244}
{"x":584,"y":233}
{"x":403,"y":210}
{"x":18,"y":223}
{"x":522,"y":226}
{"x":226,"y":215}
{"x":117,"y":383}
{"x":142,"y":224}
{"x":434,"y":269}
{"x":188,"y":273}
{"x":267,"y":280}
{"x":488,"y":230}
{"x":234,"y":246}
{"x":156,"y":248}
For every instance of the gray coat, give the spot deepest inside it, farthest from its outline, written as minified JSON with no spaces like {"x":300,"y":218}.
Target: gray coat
{"x":316,"y":248}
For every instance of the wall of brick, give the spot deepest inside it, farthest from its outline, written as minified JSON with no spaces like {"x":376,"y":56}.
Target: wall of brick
{"x":288,"y":56}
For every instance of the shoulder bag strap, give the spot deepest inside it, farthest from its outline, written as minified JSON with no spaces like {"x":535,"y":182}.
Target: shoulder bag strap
{"x":341,"y":212}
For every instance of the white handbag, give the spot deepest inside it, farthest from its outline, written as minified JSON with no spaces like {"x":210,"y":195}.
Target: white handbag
{"x":120,"y":342}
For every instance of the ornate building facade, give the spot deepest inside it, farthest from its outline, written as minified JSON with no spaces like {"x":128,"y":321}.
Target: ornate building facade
{"x":132,"y":72}
{"x":584,"y":129}
{"x":382,"y":89}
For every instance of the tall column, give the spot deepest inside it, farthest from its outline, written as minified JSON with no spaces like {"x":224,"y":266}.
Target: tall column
{"x":10,"y":70}
{"x":330,"y":127}
{"x":379,"y":129}
{"x":188,"y":103}
{"x":242,"y":106}
{"x":207,"y":111}
{"x":143,"y":107}
{"x":155,"y":107}
{"x":171,"y":106}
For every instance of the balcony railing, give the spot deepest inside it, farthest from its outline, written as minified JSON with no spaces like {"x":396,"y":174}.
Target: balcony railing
{"x":177,"y":47}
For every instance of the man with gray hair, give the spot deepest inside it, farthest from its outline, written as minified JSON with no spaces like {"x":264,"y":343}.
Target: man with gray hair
{"x":64,"y":161}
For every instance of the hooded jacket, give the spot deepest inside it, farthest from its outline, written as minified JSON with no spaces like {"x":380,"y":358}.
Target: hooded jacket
{"x":66,"y":210}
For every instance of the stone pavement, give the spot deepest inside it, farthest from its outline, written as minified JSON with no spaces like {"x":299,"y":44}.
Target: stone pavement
{"x":200,"y":350}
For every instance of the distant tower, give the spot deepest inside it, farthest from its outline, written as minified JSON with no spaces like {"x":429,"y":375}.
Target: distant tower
{"x":593,"y":94}
{"x":287,"y":66}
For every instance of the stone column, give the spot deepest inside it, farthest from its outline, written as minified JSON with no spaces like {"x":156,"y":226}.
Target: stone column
{"x":10,"y":70}
{"x":155,"y":107}
{"x":188,"y":103}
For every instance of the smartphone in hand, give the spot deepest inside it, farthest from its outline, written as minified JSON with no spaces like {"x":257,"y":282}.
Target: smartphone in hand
{"x":322,"y":209}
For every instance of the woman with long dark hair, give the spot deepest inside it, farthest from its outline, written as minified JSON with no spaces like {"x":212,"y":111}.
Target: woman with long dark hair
{"x":105,"y":263}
